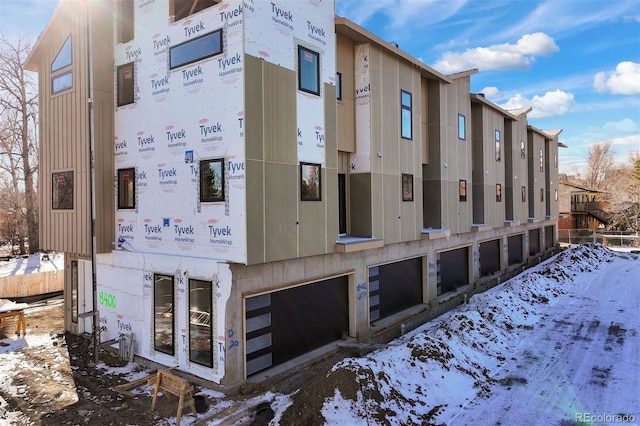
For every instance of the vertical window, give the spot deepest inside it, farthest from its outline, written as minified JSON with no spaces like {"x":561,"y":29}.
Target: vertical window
{"x":180,"y":9}
{"x":125,"y":84}
{"x":339,"y":86}
{"x":406,"y":128}
{"x":308,"y":71}
{"x":462,"y":190}
{"x":407,"y":187}
{"x":556,"y":195}
{"x":498,"y":193}
{"x":200,"y":335}
{"x":62,"y":190}
{"x":523,"y":194}
{"x":125,"y":20}
{"x":212,"y":180}
{"x":342,"y":203}
{"x":310,"y":182}
{"x":522,"y":153}
{"x":462,"y":127}
{"x":163,"y":308}
{"x":61,"y":74}
{"x":541,"y":160}
{"x":498,"y":155}
{"x":555,"y":160}
{"x":74,"y":291}
{"x":541,"y":194}
{"x":127,"y":188}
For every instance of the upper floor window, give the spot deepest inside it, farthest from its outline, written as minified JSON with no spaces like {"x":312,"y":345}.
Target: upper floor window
{"x":308,"y":70}
{"x":406,"y":128}
{"x":196,"y":49}
{"x":498,"y":155}
{"x":63,"y":58}
{"x":180,"y":9}
{"x":126,"y":89}
{"x":462,"y":127}
{"x":522,"y":149}
{"x":62,"y":190}
{"x":555,"y":160}
{"x":498,"y":193}
{"x":523,"y":194}
{"x":61,"y":74}
{"x":124,"y":20}
{"x":541,"y":156}
{"x":127,"y":188}
{"x":462,"y":190}
{"x":339,"y":86}
{"x":212,"y":180}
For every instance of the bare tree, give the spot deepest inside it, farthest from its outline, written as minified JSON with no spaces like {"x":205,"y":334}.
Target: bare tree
{"x":599,"y":163}
{"x":18,"y":112}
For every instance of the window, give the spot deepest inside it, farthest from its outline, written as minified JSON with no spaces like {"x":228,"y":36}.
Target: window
{"x":61,"y":81}
{"x":342,"y":203}
{"x":163,"y":306}
{"x":310,"y":182}
{"x":555,"y":160}
{"x":125,"y":20}
{"x":541,"y":160}
{"x":62,"y":190}
{"x":127,"y":188}
{"x":180,"y":9}
{"x":63,"y":58}
{"x":498,"y":193}
{"x":407,"y":187}
{"x":199,"y":48}
{"x":462,"y":190}
{"x":406,"y":128}
{"x":555,"y":195}
{"x":462,"y":127}
{"x":212,"y":180}
{"x":522,"y":155}
{"x":74,"y":291}
{"x":523,"y":194}
{"x":125,"y":84}
{"x":200,"y":331}
{"x":308,"y":71}
{"x":541,"y":194}
{"x":339,"y":86}
{"x":498,"y":156}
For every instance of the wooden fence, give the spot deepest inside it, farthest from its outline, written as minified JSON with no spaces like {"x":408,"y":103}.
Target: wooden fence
{"x":18,"y":286}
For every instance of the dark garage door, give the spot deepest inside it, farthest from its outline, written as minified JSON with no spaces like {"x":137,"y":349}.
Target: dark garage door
{"x":394,"y":287}
{"x":285,"y":324}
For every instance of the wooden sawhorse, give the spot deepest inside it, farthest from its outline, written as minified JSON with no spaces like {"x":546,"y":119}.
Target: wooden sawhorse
{"x":171,"y":384}
{"x":20,"y":324}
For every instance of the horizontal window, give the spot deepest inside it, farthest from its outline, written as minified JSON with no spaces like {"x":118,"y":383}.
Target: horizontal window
{"x":183,"y":8}
{"x":62,"y":190}
{"x":195,"y":50}
{"x":62,"y":82}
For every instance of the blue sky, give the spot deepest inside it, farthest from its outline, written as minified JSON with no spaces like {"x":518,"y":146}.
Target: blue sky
{"x":576,"y":62}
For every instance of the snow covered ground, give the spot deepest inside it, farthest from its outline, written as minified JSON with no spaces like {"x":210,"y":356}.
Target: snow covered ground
{"x":556,"y":345}
{"x":37,"y":262}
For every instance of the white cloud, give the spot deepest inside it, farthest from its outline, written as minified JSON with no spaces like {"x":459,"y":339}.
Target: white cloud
{"x":491,"y":92}
{"x":625,"y":80}
{"x":550,"y":104}
{"x":499,"y":56}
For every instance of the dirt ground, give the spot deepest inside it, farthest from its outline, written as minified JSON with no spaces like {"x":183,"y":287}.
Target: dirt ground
{"x":57,"y":383}
{"x":72,"y":391}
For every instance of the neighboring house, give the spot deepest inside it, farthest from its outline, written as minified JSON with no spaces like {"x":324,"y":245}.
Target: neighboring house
{"x":582,"y":208}
{"x":271,"y":179}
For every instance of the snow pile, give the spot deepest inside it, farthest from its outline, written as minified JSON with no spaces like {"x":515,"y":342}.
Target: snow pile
{"x":37,"y":262}
{"x":442,"y":366}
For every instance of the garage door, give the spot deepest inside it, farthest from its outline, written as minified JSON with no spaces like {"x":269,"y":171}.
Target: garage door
{"x":285,"y":324}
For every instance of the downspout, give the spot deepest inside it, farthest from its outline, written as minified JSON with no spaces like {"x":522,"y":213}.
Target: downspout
{"x":92,"y":189}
